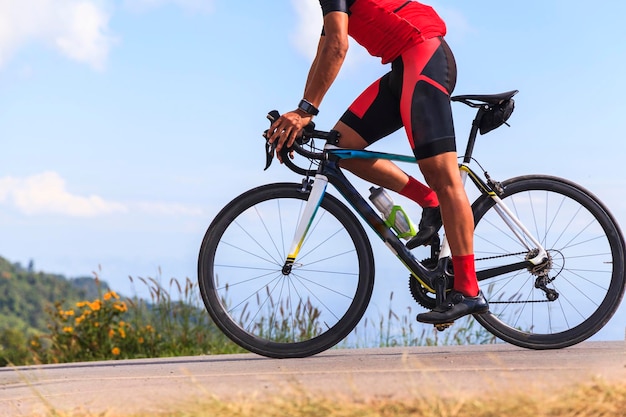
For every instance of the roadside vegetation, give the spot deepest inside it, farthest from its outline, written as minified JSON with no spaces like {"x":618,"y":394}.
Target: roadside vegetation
{"x":595,"y":399}
{"x":47,"y":318}
{"x":173,"y":323}
{"x":110,"y":327}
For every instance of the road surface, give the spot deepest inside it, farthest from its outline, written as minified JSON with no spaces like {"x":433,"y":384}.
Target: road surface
{"x":154,"y":384}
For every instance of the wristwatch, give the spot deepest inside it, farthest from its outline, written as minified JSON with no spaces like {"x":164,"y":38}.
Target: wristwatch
{"x":307,"y":107}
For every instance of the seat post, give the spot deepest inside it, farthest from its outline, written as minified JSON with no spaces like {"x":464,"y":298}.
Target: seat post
{"x":467,"y":157}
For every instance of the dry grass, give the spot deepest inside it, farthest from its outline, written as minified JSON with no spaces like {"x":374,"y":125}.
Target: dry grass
{"x":597,"y":398}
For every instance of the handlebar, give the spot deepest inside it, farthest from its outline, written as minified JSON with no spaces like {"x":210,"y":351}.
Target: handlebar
{"x":308,"y":135}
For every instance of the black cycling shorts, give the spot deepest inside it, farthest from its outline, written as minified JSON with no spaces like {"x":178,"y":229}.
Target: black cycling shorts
{"x":414,"y":94}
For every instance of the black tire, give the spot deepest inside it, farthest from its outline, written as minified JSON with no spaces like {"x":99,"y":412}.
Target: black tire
{"x":312,"y":308}
{"x":586,"y":269}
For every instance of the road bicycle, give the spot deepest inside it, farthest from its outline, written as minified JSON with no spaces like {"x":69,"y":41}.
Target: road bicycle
{"x":287,"y":270}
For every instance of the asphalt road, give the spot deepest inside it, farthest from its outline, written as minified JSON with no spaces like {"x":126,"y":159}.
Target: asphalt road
{"x":121,"y":387}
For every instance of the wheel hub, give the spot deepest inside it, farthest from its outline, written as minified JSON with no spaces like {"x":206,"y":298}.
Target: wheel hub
{"x":544,"y":268}
{"x":287,"y":268}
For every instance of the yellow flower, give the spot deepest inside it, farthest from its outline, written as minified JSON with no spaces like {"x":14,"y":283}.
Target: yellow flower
{"x":116,"y":351}
{"x":122,"y":333}
{"x":111,"y":333}
{"x":140,"y":340}
{"x":111,"y":294}
{"x":81,"y":304}
{"x":95,"y":306}
{"x":120,"y":306}
{"x":68,"y":329}
{"x":79,"y":320}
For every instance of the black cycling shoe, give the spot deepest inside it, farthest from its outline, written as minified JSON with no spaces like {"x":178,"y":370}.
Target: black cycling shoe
{"x":430,"y":223}
{"x":456,"y":306}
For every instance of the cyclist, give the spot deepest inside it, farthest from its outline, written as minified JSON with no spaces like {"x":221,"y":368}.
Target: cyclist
{"x":414,"y":94}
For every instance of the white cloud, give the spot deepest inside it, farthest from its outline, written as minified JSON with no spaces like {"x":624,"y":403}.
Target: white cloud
{"x":46,"y":193}
{"x":77,"y":29}
{"x":204,"y":6}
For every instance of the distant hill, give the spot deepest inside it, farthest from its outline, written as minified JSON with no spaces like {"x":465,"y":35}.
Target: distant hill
{"x":25,"y":294}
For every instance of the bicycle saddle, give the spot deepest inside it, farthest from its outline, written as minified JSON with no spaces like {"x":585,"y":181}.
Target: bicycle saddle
{"x":487,"y":98}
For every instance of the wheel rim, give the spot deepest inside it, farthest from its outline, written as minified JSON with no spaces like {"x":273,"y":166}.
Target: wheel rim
{"x":581,"y":270}
{"x":303,"y":309}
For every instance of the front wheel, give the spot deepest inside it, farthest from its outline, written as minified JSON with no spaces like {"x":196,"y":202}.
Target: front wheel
{"x":299,"y":311}
{"x":571,"y":296}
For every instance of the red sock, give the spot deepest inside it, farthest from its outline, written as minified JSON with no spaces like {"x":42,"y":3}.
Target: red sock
{"x":465,"y":280}
{"x":420,"y":193}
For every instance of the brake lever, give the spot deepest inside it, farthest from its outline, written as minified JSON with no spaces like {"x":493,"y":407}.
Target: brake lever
{"x":269,"y":151}
{"x":270,"y":148}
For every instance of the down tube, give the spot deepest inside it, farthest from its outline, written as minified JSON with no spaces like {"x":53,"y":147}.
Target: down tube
{"x":312,"y":204}
{"x":339,"y":181}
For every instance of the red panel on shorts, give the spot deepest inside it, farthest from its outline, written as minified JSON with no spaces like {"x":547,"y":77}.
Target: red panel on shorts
{"x":365,"y":100}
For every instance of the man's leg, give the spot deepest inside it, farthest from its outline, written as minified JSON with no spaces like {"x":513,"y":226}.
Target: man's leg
{"x":377,"y":171}
{"x":442,"y":174}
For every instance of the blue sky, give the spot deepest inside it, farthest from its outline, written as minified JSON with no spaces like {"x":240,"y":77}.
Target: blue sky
{"x":127,"y":124}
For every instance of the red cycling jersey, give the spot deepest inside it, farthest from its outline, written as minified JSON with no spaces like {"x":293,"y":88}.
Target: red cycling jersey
{"x":387,"y":28}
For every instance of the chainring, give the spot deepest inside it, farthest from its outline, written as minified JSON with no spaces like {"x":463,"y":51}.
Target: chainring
{"x":420,"y":294}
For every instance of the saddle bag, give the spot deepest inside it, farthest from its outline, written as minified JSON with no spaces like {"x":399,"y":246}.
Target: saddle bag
{"x":496,"y":115}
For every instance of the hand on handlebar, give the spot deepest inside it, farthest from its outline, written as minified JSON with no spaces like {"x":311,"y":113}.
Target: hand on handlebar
{"x":284,"y":131}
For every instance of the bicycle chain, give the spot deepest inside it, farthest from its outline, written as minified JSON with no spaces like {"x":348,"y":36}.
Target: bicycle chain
{"x":500,"y":256}
{"x":511,"y":302}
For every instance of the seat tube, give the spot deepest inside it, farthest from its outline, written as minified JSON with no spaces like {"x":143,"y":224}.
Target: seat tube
{"x":313,"y":203}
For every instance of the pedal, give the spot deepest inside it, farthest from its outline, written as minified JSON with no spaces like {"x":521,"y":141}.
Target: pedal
{"x":443,"y":326}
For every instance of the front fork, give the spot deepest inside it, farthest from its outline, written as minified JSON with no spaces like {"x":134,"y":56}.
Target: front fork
{"x":306,"y":219}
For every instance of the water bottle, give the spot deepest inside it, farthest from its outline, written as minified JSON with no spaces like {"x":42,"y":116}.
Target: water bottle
{"x":393,"y":214}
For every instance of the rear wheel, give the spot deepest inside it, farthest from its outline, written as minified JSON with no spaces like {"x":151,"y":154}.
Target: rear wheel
{"x":285,"y":313}
{"x":575,"y":293}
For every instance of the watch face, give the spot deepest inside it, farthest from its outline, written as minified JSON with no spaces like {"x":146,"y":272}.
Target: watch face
{"x":307,"y":107}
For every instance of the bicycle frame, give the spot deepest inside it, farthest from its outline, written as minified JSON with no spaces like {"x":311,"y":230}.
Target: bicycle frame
{"x":434,"y":280}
